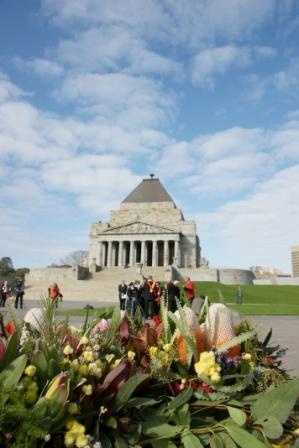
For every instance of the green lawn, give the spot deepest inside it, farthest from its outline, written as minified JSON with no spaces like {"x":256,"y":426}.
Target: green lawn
{"x":257,"y":299}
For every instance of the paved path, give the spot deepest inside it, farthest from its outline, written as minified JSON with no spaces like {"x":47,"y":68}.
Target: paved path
{"x":284,"y":328}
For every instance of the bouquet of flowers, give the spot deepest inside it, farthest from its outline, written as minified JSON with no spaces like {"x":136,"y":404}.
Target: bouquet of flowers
{"x":179,"y":380}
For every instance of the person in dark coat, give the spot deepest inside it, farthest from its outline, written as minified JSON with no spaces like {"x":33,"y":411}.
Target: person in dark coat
{"x":122,"y":294}
{"x":133,"y":297}
{"x":20,"y":291}
{"x":147,"y":297}
{"x":172,"y":293}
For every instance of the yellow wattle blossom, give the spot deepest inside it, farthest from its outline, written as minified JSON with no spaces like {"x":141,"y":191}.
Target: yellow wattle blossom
{"x":167,"y":347}
{"x":110,"y":357}
{"x":83,"y":370}
{"x":84,"y":340}
{"x":247,"y":356}
{"x":82,"y":441}
{"x":75,"y":435}
{"x":103,"y":410}
{"x":153,"y":351}
{"x":73,"y":408}
{"x":131,"y":355}
{"x":87,"y":389}
{"x":30,"y":370}
{"x":116,"y":362}
{"x":207,"y":366}
{"x":68,"y":350}
{"x":88,"y":355}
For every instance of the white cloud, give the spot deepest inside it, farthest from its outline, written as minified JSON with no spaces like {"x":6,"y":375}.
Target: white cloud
{"x":209,"y":63}
{"x":114,"y":48}
{"x":45,"y":68}
{"x":258,"y":230}
{"x":188,"y":22}
{"x":8,"y":89}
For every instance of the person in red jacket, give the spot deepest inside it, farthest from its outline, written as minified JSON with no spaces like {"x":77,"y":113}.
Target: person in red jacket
{"x":54,"y":293}
{"x":189,"y":289}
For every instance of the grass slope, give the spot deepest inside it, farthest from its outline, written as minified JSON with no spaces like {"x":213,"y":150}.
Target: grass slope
{"x":257,"y":299}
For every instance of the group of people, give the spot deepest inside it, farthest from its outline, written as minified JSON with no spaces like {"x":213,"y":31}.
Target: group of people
{"x":149,"y":294}
{"x":6,"y":291}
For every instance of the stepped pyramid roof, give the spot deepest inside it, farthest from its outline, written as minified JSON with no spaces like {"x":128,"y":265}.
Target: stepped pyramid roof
{"x":149,"y":190}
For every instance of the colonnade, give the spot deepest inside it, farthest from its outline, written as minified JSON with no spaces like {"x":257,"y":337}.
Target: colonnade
{"x":129,"y":252}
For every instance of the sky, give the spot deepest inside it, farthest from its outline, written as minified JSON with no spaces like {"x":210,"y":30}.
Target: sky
{"x":97,"y":94}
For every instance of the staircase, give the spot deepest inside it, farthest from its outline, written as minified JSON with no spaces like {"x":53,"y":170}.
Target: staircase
{"x":102,"y":286}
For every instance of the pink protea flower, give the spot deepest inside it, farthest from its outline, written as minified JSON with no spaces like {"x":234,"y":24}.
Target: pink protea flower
{"x":103,"y":325}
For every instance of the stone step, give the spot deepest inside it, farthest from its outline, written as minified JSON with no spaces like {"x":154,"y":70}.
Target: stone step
{"x":101,"y":285}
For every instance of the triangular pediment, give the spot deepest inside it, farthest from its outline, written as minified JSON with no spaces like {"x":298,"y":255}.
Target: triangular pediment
{"x":137,"y":227}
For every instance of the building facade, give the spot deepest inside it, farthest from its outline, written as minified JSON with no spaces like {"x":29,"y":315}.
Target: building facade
{"x":295,"y":261}
{"x":149,"y":229}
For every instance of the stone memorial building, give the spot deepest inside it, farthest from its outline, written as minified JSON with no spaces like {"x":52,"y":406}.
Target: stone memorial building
{"x":149,"y":229}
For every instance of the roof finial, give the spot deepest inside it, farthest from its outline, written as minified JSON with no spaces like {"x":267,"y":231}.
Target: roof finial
{"x":152,"y":175}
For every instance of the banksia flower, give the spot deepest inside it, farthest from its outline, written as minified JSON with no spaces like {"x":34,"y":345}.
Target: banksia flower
{"x":220,"y":328}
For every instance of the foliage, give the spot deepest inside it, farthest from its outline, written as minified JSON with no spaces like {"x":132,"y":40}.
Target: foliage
{"x":6,"y":266}
{"x":120,"y":382}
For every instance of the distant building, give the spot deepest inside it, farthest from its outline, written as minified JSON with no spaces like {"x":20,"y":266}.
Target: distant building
{"x":149,"y":229}
{"x":295,"y":260}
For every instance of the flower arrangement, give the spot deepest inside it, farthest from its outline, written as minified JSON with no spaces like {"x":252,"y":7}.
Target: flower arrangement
{"x":179,"y":380}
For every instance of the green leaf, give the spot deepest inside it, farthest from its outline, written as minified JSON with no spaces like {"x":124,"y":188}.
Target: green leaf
{"x":272,"y":427}
{"x":128,"y":388}
{"x":189,"y":440}
{"x":243,"y":438}
{"x":111,"y":422}
{"x":236,"y":340}
{"x":237,"y":415}
{"x":11,"y":351}
{"x":162,"y":444}
{"x":227,"y":440}
{"x":216,"y":441}
{"x":136,"y":402}
{"x":11,"y":375}
{"x":277,"y":402}
{"x":106,"y":443}
{"x":180,"y":399}
{"x":183,"y":416}
{"x":164,"y":430}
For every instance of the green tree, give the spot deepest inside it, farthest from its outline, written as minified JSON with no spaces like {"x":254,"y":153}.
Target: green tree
{"x":6,"y":266}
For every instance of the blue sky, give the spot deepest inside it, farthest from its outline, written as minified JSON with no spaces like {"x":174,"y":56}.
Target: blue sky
{"x":95,"y":95}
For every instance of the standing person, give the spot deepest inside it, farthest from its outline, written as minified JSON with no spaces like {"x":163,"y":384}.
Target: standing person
{"x":20,"y":291}
{"x":239,"y":296}
{"x":147,"y":296}
{"x":54,"y":293}
{"x":4,"y":292}
{"x":133,"y":296}
{"x":170,"y":295}
{"x":158,"y":293}
{"x":189,"y":289}
{"x":2,"y":298}
{"x":122,"y":294}
{"x":177,"y":290}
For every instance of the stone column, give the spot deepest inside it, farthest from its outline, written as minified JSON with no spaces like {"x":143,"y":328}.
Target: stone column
{"x":154,"y":254}
{"x":100,"y":254}
{"x":131,"y":253}
{"x":177,"y":254}
{"x":109,"y":258}
{"x":166,"y":253}
{"x":142,"y":257}
{"x":120,"y":254}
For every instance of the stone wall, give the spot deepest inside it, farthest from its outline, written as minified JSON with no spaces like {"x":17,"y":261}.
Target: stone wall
{"x":227,"y":276}
{"x":292,"y":281}
{"x":56,"y":274}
